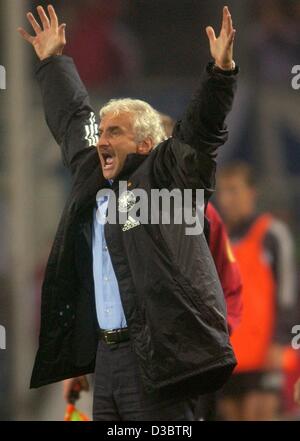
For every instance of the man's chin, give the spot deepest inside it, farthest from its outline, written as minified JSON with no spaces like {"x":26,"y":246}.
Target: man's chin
{"x":109,"y":174}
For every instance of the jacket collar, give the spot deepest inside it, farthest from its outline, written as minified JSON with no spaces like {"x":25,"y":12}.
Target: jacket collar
{"x":84,"y":198}
{"x":132,"y":162}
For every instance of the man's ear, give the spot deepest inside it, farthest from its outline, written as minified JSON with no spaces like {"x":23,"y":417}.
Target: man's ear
{"x":145,"y":147}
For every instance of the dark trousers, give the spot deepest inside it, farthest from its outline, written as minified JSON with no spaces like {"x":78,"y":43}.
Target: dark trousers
{"x":206,"y":408}
{"x":118,"y":392}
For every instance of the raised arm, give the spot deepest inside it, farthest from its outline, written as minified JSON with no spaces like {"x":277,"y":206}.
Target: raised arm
{"x":66,"y":103}
{"x":190,"y":155}
{"x":202,"y":125}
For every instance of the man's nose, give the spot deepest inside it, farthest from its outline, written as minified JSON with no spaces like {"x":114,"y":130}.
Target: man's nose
{"x":103,"y":141}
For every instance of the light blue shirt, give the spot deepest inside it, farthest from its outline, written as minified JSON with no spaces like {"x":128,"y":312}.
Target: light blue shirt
{"x":109,"y":308}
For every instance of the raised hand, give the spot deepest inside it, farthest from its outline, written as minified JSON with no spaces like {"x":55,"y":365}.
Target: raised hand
{"x":221,"y":48}
{"x":49,"y":39}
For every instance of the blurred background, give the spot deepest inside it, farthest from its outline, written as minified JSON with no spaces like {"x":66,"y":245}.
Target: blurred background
{"x":153,"y":50}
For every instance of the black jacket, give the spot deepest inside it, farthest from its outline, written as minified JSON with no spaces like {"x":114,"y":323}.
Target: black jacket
{"x":170,"y":291}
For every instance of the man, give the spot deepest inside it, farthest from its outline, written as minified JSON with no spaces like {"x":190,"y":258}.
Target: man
{"x":152,"y":290}
{"x":264,"y":250}
{"x":230,"y":278}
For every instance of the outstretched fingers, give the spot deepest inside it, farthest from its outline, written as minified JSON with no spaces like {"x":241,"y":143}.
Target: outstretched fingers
{"x":25,"y":35}
{"x":227,"y":21}
{"x":229,"y":24}
{"x":211,"y":34}
{"x":53,"y":17}
{"x":231,"y":38}
{"x":44,"y":19}
{"x":36,"y":27}
{"x":62,"y":32}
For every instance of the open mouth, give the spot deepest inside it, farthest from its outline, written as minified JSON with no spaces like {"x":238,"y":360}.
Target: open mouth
{"x":108,"y":160}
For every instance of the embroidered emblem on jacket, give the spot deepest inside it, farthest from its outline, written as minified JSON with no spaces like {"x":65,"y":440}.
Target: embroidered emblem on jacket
{"x":126,"y":201}
{"x":130,"y":223}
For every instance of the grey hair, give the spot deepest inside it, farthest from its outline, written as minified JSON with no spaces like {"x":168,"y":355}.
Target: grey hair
{"x":146,"y":120}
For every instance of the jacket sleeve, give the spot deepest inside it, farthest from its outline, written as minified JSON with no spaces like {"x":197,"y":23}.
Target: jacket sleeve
{"x":203,"y":124}
{"x":68,"y":112}
{"x":197,"y":136}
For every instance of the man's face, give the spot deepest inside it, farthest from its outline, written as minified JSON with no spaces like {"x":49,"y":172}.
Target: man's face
{"x":116,"y":141}
{"x":236,"y":199}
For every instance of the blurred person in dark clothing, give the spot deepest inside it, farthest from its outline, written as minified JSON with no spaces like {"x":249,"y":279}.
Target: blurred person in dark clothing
{"x":138,"y":303}
{"x":263,"y":247}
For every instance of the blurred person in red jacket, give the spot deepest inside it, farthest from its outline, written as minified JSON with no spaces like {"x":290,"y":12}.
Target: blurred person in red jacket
{"x":104,"y":49}
{"x":264,"y":250}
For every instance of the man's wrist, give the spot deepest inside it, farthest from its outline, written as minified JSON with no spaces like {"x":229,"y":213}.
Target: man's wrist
{"x":213,"y":68}
{"x":57,"y":54}
{"x":226,"y":68}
